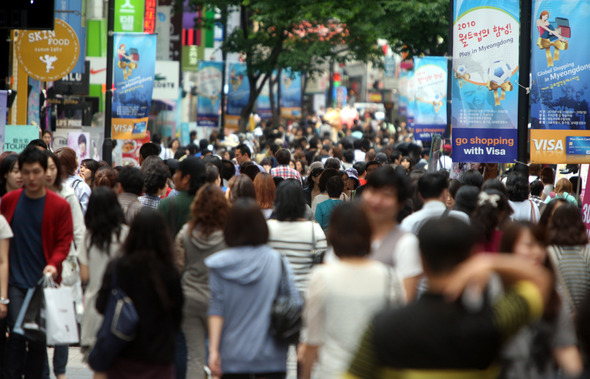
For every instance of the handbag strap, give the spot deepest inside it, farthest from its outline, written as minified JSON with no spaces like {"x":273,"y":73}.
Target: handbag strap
{"x":283,"y":288}
{"x":533,"y":216}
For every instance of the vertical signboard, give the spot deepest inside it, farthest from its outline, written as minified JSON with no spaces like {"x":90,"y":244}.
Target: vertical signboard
{"x":129,"y":15}
{"x":403,"y":94}
{"x":134,"y":67}
{"x":485,"y":66}
{"x":209,"y":93}
{"x":70,"y":11}
{"x":3,"y":114}
{"x":559,"y":89}
{"x":237,"y":95}
{"x":430,"y":75}
{"x":290,"y":83}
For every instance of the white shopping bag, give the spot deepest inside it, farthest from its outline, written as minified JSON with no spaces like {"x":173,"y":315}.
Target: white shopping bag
{"x":61,"y":317}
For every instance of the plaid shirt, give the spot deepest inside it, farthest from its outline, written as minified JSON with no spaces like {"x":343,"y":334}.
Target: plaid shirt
{"x":151,"y":201}
{"x":286,"y":172}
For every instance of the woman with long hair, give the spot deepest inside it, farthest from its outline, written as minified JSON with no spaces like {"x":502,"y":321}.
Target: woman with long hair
{"x":265,"y":189}
{"x":312,"y":188}
{"x":198,"y":239}
{"x":345,"y":294}
{"x":69,"y":164}
{"x":491,"y":213}
{"x":569,"y":252}
{"x":563,"y":190}
{"x":244,"y":279}
{"x":301,"y":241}
{"x":106,"y":231}
{"x":540,"y":349}
{"x":88,"y":169}
{"x":53,"y":181}
{"x":10,"y":176}
{"x":146,"y":273}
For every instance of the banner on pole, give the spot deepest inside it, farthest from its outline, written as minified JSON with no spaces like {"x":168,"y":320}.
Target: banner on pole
{"x":290,"y":83}
{"x":430,"y":75}
{"x":209,"y":93}
{"x":237,"y":95}
{"x":485,"y":66}
{"x":3,"y":115}
{"x":134,"y":67}
{"x":559,"y":87}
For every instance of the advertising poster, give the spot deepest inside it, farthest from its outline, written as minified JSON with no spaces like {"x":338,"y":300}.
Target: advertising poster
{"x":560,"y":67}
{"x":3,"y":112}
{"x":18,"y":137}
{"x":485,"y":70}
{"x":237,"y":95}
{"x":264,"y":109}
{"x":403,"y":94}
{"x":130,"y":150}
{"x":411,"y":111}
{"x":430,"y":76}
{"x":79,"y":142}
{"x":134,"y":67}
{"x":290,"y":83}
{"x":209,"y":93}
{"x":166,"y":80}
{"x":70,"y":11}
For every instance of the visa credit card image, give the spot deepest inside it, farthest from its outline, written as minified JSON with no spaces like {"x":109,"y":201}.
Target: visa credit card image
{"x":577,"y":145}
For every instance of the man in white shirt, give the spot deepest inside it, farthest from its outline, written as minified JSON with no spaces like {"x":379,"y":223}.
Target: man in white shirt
{"x":433,"y":187}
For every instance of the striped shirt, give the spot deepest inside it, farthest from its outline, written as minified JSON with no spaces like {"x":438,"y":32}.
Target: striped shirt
{"x":573,"y":266}
{"x":294,"y":240}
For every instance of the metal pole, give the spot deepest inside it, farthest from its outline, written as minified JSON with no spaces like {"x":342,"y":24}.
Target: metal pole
{"x":223,"y":72}
{"x":524,"y":63}
{"x":107,"y":147}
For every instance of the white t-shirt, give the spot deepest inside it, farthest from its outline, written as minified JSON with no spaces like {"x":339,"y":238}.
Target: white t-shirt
{"x":405,"y":256}
{"x":5,"y":230}
{"x":341,"y":299}
{"x":522,"y":211}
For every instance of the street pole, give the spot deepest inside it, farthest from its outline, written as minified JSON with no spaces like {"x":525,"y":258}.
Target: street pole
{"x":524,"y":63}
{"x":107,"y":147}
{"x":223,"y":72}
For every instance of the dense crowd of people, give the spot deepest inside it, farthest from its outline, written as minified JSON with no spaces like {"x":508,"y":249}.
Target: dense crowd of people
{"x":401,"y":269}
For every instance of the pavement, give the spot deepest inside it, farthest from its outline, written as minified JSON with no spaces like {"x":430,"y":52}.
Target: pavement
{"x":76,"y":369}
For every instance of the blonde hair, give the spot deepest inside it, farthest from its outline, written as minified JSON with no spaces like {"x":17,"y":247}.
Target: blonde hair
{"x":563,"y":185}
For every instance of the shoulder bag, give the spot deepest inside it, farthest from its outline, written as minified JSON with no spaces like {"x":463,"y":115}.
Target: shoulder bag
{"x":118,"y":328}
{"x":285,"y":318}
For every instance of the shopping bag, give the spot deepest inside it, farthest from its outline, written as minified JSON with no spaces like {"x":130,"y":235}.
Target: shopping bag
{"x":62,"y":328}
{"x":30,"y":321}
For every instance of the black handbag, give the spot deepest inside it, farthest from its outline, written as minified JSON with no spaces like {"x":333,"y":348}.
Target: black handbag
{"x":118,"y":328}
{"x":285,"y":321}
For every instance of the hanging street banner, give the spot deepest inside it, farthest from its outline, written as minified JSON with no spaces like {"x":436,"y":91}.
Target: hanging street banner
{"x":48,"y":55}
{"x":430,"y":75}
{"x":134,"y":67}
{"x":560,"y":69}
{"x":290,"y":83}
{"x":209,"y":93}
{"x":237,"y":95}
{"x":70,"y":11}
{"x":403,"y":94}
{"x":411,"y":100}
{"x":263,"y":105}
{"x":485,"y":73}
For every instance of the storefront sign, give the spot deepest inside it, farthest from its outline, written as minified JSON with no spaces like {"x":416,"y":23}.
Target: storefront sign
{"x":48,"y":55}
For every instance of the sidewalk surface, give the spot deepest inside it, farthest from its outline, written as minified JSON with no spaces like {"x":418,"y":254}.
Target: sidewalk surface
{"x":76,"y":369}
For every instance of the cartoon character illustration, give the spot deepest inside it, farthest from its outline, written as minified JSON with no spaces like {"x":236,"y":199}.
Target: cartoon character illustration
{"x":235,"y":80}
{"x":549,"y":36}
{"x":126,"y":61}
{"x":48,"y":60}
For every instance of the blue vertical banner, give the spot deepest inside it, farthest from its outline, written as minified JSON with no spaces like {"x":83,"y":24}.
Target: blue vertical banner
{"x":411,"y":100}
{"x":560,"y":68}
{"x":290,"y":83}
{"x":70,"y":11}
{"x":237,"y":95}
{"x":430,"y":76}
{"x":209,"y":93}
{"x":263,"y":105}
{"x":134,"y":69}
{"x":485,"y":72}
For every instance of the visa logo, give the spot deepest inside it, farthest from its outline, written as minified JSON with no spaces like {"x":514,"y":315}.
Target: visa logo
{"x":122,"y":128}
{"x":548,"y":144}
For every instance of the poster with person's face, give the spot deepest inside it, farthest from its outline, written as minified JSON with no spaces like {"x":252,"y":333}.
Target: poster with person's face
{"x":79,"y":142}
